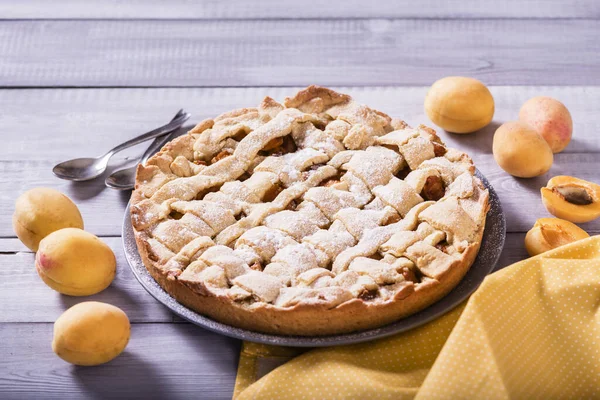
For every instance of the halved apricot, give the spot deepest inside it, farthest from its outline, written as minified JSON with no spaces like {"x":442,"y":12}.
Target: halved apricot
{"x":572,"y":199}
{"x":550,"y":233}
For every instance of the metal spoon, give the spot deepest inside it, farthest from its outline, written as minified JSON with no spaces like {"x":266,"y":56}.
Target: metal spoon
{"x":124,"y":179}
{"x":83,"y":169}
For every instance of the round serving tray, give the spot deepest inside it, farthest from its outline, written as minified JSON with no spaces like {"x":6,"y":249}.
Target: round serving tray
{"x":491,"y":247}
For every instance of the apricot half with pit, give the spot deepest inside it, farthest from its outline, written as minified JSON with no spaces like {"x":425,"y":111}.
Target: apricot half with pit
{"x":550,"y":233}
{"x":572,"y":199}
{"x":460,"y":105}
{"x":74,"y":262}
{"x":91,"y":333}
{"x":521,"y":151}
{"x":41,"y":211}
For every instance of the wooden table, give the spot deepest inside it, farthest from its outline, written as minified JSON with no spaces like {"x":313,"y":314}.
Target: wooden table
{"x":80,"y":77}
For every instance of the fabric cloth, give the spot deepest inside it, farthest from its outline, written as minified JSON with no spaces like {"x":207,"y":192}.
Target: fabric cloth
{"x":532,"y":330}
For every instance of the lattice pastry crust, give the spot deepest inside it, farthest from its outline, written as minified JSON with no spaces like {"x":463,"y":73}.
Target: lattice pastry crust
{"x":312,"y":217}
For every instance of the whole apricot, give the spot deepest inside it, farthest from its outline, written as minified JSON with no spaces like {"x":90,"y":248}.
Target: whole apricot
{"x":460,"y":105}
{"x":91,"y":333}
{"x":74,"y":262}
{"x":551,"y":119}
{"x":573,"y":199}
{"x":41,"y":211}
{"x":520,"y":151}
{"x":550,"y":233}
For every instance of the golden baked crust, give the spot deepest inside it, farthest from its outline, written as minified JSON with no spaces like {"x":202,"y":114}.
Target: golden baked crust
{"x":319,"y":216}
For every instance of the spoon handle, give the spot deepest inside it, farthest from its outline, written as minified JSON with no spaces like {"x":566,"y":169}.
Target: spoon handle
{"x":159,"y":142}
{"x":156,"y":145}
{"x":171,"y":126}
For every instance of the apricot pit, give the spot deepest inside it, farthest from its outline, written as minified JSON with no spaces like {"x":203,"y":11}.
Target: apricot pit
{"x":573,"y":199}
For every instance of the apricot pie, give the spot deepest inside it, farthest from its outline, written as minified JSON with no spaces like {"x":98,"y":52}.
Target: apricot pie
{"x":312,"y":217}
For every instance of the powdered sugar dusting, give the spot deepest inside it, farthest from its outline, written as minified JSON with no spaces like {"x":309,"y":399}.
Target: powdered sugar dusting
{"x":290,"y":176}
{"x":489,"y":253}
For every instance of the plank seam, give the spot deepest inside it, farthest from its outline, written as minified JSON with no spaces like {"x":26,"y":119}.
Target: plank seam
{"x":286,"y":19}
{"x":383,"y":86}
{"x":337,"y":86}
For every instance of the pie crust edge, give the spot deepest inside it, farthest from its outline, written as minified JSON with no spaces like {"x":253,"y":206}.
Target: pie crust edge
{"x":310,"y":319}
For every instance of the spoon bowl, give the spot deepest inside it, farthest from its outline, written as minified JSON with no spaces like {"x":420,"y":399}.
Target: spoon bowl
{"x":84,"y":169}
{"x":122,"y":179}
{"x":81,"y":169}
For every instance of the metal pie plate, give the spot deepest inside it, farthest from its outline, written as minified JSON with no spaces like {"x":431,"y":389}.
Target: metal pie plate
{"x":489,"y":253}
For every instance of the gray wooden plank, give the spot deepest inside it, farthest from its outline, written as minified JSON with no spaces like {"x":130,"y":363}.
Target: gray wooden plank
{"x":103,"y":208}
{"x":240,"y":9}
{"x":514,"y":249}
{"x":42,"y":304}
{"x":175,"y":361}
{"x":297,"y":52}
{"x":10,"y":246}
{"x":54,"y":125}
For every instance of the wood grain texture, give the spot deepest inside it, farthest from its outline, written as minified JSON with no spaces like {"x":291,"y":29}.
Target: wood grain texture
{"x":174,"y":361}
{"x":42,"y":304}
{"x":205,"y":44}
{"x":103,"y":208}
{"x":240,"y":9}
{"x":297,"y":52}
{"x":141,"y":371}
{"x":51,"y":124}
{"x":58,"y":124}
{"x":190,"y":361}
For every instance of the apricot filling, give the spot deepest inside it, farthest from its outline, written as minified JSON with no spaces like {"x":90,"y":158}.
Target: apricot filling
{"x":438,"y":149}
{"x":392,"y":219}
{"x":256,"y":266}
{"x":273,"y":143}
{"x":330,"y":182}
{"x":433,"y":188}
{"x":403,"y":173}
{"x":272,"y":193}
{"x":443,"y":246}
{"x":278,"y":146}
{"x":292,"y":205}
{"x":572,"y":199}
{"x":367,"y":295}
{"x":222,"y":154}
{"x":410,"y":275}
{"x":175,"y":215}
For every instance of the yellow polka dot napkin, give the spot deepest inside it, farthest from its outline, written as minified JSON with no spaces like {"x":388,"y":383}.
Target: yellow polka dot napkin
{"x":532,"y":330}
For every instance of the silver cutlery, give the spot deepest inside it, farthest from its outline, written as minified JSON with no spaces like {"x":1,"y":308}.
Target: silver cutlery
{"x":83,"y":169}
{"x":124,"y":179}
